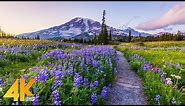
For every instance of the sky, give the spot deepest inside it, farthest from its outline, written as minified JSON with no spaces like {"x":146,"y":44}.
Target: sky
{"x":145,"y":16}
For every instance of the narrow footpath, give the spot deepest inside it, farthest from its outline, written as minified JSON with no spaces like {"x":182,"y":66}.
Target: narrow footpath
{"x":127,"y":89}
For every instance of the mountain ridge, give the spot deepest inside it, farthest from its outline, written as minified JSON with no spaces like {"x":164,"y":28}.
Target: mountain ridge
{"x":76,"y":27}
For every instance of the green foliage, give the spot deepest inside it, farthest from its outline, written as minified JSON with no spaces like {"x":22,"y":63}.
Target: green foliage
{"x":140,"y":43}
{"x":18,"y":57}
{"x":135,"y":64}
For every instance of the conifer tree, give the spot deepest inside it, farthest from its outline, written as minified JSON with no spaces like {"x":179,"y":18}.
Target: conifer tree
{"x":103,"y":36}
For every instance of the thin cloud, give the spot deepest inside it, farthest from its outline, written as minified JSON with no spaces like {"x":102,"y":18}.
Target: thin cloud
{"x":132,"y":19}
{"x":175,"y":16}
{"x":168,"y":29}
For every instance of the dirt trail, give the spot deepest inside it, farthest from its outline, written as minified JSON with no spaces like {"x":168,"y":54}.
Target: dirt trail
{"x":127,"y":89}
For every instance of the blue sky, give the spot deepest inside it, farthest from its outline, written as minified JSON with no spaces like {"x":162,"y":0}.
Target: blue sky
{"x":20,"y":17}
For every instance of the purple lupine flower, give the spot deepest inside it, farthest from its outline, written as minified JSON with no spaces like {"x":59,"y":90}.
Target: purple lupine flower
{"x":178,"y":66}
{"x":34,"y":69}
{"x":104,"y":93}
{"x":82,"y":63}
{"x":110,"y":85}
{"x":58,"y":56}
{"x":175,"y":86}
{"x":159,"y":71}
{"x":147,"y":66}
{"x":162,"y":75}
{"x":91,"y":85}
{"x":43,"y":76}
{"x":74,"y":70}
{"x":1,"y":56}
{"x":95,"y":63}
{"x":51,"y":64}
{"x":13,"y":81}
{"x":25,"y":76}
{"x":93,"y":98}
{"x":36,"y":100}
{"x":4,"y":84}
{"x":88,"y":59}
{"x":157,"y":98}
{"x":56,"y":84}
{"x":56,"y":97}
{"x":55,"y":54}
{"x":59,"y":67}
{"x":70,"y":70}
{"x":173,"y":101}
{"x":85,"y":82}
{"x":96,"y":83}
{"x":59,"y":75}
{"x":144,"y":67}
{"x":77,"y":80}
{"x":52,"y":73}
{"x":1,"y":81}
{"x":102,"y":68}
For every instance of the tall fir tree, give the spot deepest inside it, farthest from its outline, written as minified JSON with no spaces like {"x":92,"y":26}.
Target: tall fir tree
{"x":103,"y":36}
{"x":179,"y":36}
{"x":106,"y":39}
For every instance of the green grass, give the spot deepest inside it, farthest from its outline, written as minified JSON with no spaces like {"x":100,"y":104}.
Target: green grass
{"x":156,"y":44}
{"x":19,"y":42}
{"x":160,"y":57}
{"x":165,"y":44}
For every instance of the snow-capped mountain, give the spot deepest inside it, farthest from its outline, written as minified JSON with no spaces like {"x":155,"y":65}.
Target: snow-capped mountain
{"x":134,"y":32}
{"x":77,"y":28}
{"x":160,"y":33}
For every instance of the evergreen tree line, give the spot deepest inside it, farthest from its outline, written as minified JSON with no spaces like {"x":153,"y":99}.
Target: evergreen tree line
{"x":9,"y":35}
{"x":163,"y":37}
{"x":37,"y":37}
{"x":6,"y":35}
{"x":90,"y":41}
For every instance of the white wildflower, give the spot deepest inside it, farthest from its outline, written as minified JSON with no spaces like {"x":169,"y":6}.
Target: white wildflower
{"x":173,"y":75}
{"x":168,"y":79}
{"x":164,"y":66}
{"x":183,"y":90}
{"x":178,"y":77}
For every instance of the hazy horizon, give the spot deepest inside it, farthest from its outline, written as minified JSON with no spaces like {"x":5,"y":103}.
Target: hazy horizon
{"x":151,"y":17}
